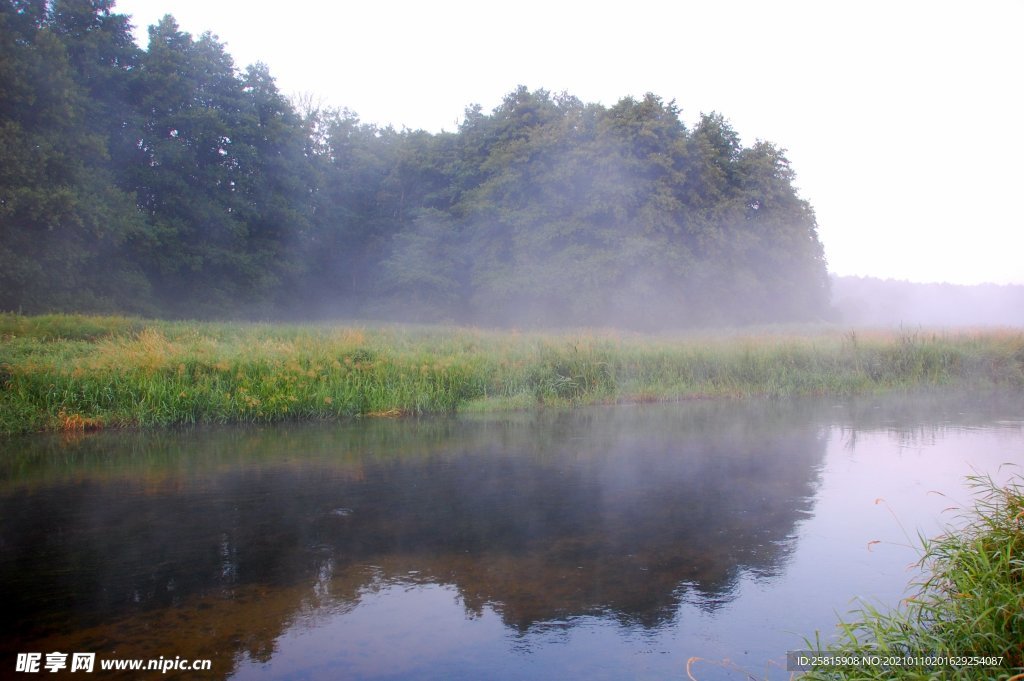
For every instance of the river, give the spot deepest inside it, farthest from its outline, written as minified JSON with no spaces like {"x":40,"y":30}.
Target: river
{"x":598,"y":543}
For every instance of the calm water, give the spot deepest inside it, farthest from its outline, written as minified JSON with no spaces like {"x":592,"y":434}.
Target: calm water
{"x":614,"y":542}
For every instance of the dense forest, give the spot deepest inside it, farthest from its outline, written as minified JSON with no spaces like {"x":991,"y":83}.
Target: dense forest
{"x":168,"y":182}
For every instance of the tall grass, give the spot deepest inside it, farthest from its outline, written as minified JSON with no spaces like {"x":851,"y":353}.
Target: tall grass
{"x":970,"y":603}
{"x":77,"y":373}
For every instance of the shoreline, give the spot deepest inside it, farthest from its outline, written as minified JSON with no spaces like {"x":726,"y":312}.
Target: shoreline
{"x":81,"y":373}
{"x":962,"y":622}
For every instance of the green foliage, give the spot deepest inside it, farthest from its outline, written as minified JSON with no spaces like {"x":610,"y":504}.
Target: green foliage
{"x":571,"y":374}
{"x":61,"y":372}
{"x":220,"y":178}
{"x":64,"y":222}
{"x":166,"y":181}
{"x":66,"y":327}
{"x":582,"y":214}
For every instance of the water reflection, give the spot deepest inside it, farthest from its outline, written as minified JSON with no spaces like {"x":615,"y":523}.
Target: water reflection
{"x":228,"y":543}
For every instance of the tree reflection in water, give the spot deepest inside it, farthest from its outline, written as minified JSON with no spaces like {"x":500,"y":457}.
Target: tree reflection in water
{"x":214,"y":542}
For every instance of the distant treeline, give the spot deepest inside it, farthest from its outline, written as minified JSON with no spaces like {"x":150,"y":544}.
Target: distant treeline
{"x":887,"y":302}
{"x":167,"y":182}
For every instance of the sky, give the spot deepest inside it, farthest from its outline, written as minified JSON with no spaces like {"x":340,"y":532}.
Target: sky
{"x":902,"y":120}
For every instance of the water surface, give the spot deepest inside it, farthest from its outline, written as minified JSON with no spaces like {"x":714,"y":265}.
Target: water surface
{"x":611,"y":542}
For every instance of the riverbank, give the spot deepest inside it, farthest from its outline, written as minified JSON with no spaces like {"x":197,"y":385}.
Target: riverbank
{"x":68,"y":372}
{"x":966,"y":617}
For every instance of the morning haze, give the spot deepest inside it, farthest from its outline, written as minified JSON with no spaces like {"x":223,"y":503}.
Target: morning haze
{"x":197,"y":189}
{"x":376,"y":402}
{"x":217,"y":197}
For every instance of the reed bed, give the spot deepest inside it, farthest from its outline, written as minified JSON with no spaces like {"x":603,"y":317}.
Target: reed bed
{"x":66,"y":372}
{"x":966,"y":619}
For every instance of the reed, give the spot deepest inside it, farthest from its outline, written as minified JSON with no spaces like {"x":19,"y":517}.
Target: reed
{"x":65,"y":372}
{"x":969,"y":605}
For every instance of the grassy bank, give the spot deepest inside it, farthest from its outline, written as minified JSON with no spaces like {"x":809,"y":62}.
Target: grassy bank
{"x":79,"y":373}
{"x":970,"y":604}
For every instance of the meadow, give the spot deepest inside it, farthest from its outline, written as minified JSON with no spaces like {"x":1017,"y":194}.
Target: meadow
{"x":75,"y":373}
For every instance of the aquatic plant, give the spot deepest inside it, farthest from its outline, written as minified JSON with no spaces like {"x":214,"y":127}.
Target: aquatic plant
{"x":966,"y":619}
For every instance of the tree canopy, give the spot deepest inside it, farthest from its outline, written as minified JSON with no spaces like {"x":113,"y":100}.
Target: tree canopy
{"x":167,"y":181}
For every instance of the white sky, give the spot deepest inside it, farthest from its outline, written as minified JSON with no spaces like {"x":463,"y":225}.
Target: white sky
{"x":903,"y":120}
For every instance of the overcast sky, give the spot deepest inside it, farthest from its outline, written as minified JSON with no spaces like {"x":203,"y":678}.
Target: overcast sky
{"x":903,"y":120}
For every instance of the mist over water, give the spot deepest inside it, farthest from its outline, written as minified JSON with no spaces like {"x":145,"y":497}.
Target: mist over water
{"x":596,"y":543}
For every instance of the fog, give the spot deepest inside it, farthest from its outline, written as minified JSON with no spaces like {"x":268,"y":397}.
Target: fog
{"x":866,"y":301}
{"x":204,"y":192}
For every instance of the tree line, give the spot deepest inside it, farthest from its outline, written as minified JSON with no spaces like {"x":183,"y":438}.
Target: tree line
{"x":166,"y":181}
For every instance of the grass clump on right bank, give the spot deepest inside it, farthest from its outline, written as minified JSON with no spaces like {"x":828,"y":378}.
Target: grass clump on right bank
{"x":969,"y":606}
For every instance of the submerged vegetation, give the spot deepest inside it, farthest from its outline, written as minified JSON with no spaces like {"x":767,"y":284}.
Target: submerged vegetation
{"x":970,"y":603}
{"x":62,"y":372}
